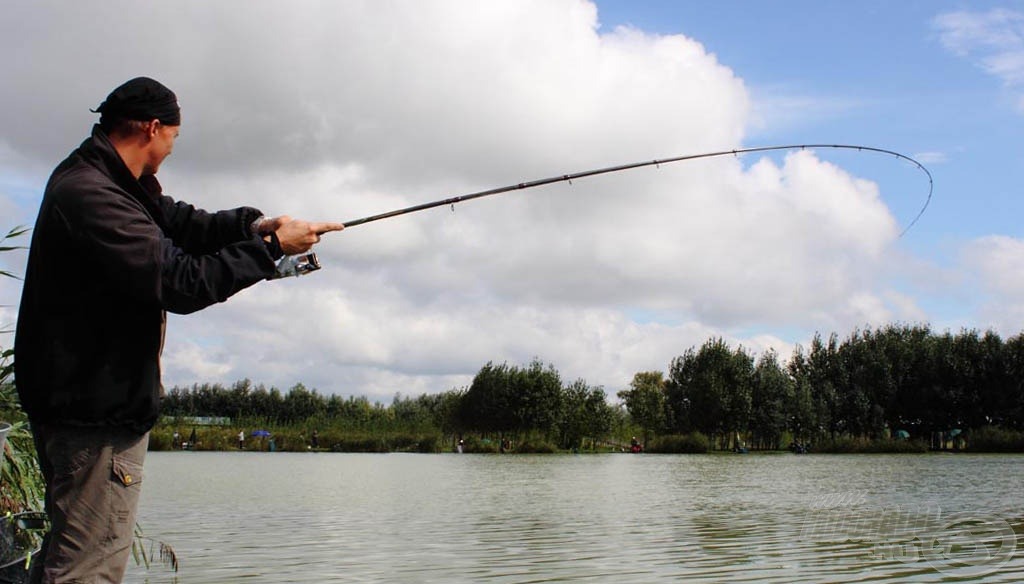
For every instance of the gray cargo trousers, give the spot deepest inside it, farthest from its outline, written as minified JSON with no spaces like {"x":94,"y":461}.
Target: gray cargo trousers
{"x":93,"y":479}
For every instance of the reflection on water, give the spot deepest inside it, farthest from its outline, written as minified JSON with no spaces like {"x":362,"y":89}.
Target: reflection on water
{"x":317,"y":517}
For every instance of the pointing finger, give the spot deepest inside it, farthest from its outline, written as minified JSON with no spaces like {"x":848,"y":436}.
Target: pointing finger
{"x":321,"y":228}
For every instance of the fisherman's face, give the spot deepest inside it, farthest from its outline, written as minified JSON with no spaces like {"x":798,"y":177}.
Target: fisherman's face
{"x":161,"y":144}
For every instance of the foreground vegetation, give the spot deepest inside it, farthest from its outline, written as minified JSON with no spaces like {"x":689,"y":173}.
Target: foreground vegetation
{"x":21,"y":485}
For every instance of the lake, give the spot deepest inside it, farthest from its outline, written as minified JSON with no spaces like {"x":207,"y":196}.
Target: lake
{"x":324,"y":517}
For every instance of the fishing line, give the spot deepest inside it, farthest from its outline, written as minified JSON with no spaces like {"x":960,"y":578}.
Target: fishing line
{"x":570,"y":177}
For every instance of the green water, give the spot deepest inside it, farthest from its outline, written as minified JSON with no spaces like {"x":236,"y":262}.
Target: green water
{"x":318,"y":517}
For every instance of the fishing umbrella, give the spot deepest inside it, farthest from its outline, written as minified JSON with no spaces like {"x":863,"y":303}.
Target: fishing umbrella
{"x":260,"y":433}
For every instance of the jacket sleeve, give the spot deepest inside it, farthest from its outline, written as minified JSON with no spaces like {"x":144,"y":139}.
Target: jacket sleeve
{"x":198,"y":231}
{"x":193,"y":282}
{"x":142,"y":262}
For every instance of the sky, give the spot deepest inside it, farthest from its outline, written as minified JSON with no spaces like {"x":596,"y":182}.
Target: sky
{"x":339,"y":110}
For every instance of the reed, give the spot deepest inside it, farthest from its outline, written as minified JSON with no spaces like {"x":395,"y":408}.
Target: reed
{"x":692,"y":443}
{"x":995,"y":439}
{"x":851,"y":445}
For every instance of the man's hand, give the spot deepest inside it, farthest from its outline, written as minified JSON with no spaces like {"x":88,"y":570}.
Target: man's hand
{"x":295,"y":235}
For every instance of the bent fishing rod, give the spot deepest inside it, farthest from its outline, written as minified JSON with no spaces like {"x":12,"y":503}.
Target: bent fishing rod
{"x":299,"y":265}
{"x":658,"y":162}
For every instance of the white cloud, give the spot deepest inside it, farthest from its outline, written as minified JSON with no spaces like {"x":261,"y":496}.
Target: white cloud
{"x":997,"y":264}
{"x":1000,"y":260}
{"x":194,"y":361}
{"x":931,"y":157}
{"x":993,"y":39}
{"x":339,"y":110}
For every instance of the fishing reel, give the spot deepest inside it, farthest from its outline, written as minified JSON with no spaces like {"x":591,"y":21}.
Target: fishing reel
{"x":296,"y":265}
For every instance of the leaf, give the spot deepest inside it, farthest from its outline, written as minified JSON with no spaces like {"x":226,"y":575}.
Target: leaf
{"x":16,"y":231}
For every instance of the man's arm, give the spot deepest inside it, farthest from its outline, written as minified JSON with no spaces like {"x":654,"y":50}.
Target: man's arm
{"x":198,"y":231}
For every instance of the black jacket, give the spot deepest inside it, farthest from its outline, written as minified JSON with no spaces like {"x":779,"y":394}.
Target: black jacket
{"x":109,"y":255}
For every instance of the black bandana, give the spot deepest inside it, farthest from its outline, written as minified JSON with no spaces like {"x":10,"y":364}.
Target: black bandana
{"x":142,"y":98}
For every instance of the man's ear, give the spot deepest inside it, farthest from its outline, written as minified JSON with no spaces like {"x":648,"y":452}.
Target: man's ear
{"x":151,"y":128}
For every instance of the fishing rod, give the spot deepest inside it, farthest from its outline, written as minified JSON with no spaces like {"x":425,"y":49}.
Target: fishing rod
{"x":576,"y":175}
{"x":306,"y":263}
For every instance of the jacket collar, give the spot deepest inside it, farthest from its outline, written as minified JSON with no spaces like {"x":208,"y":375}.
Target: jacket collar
{"x":99,"y":152}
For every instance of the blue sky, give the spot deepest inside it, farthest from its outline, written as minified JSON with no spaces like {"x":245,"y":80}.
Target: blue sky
{"x":337,"y":110}
{"x":887,"y":74}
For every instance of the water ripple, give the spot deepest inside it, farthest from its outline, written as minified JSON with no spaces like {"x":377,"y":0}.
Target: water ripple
{"x":621,"y":518}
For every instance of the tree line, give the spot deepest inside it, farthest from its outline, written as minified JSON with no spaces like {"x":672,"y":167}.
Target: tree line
{"x":528,"y":405}
{"x":895,"y":381}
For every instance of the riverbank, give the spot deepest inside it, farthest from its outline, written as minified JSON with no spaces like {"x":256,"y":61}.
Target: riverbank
{"x":168,"y":437}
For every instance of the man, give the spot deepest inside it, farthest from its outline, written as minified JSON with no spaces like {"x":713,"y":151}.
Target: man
{"x":110,"y":255}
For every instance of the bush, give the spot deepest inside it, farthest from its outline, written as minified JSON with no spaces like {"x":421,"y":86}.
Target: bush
{"x":428,"y":444}
{"x":161,"y":440}
{"x":850,"y":445}
{"x":692,"y":443}
{"x":994,"y":439}
{"x":358,"y":444}
{"x":476,"y":445}
{"x":530,"y":446}
{"x":412,"y":443}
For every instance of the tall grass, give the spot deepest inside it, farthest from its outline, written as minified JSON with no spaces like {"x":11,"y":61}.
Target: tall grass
{"x":993,"y":439}
{"x":692,"y":443}
{"x":21,"y":482}
{"x":851,"y":445}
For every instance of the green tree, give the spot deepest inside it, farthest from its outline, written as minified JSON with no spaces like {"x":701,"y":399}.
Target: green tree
{"x":822,"y":374}
{"x":536,"y":397}
{"x":709,"y":391}
{"x":1012,"y":404}
{"x":646,"y":402}
{"x":908,"y":350}
{"x":301,"y":404}
{"x":488,"y":405}
{"x":444,"y":410}
{"x":266,"y":404}
{"x":772,"y":392}
{"x":585,"y":414}
{"x":801,"y":415}
{"x":412,"y":414}
{"x":861,"y":374}
{"x":993,"y":383}
{"x":240,"y":399}
{"x":503,"y":399}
